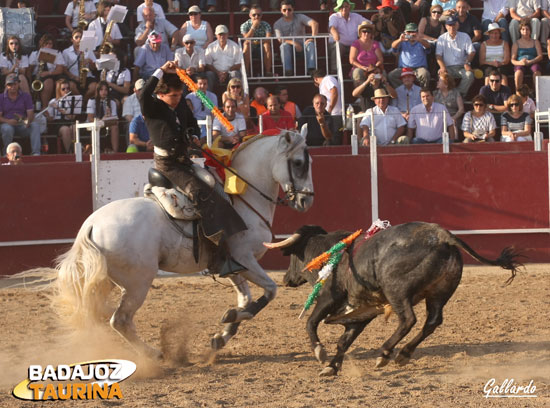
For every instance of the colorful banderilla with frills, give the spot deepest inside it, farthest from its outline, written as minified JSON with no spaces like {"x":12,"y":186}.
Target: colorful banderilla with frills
{"x":186,"y":79}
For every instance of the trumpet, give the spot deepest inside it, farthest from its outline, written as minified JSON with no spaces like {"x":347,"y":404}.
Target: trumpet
{"x":37,"y":85}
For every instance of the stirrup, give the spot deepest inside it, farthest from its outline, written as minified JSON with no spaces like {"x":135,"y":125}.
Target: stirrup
{"x":231,"y":267}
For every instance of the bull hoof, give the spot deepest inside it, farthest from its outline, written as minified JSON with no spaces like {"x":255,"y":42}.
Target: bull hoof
{"x":236,"y":316}
{"x":320,"y":353}
{"x":382,"y":361}
{"x":217,"y":342}
{"x":328,"y":372}
{"x":402,"y":359}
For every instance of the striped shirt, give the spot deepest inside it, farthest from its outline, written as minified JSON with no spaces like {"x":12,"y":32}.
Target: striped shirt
{"x":478,"y":125}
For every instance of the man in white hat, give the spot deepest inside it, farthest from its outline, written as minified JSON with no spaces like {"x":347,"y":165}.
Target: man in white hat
{"x":191,"y":58}
{"x":389,"y":125}
{"x":131,"y":107}
{"x":223,"y":59}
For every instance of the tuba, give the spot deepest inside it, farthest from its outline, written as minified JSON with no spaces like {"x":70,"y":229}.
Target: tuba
{"x":37,"y":85}
{"x":82,"y":23}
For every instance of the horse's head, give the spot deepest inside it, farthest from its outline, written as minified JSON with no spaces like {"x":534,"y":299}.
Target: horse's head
{"x":292,"y":170}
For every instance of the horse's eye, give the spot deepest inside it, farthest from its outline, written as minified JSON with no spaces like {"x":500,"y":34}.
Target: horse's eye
{"x":298,"y":163}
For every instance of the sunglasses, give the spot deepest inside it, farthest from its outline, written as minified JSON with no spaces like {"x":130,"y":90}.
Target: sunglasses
{"x":65,"y":89}
{"x":194,"y":13}
{"x":514,"y":104}
{"x":437,"y":12}
{"x":256,"y":15}
{"x":494,"y":80}
{"x":479,"y":104}
{"x":189,"y":42}
{"x":235,"y":86}
{"x":366,"y":31}
{"x":287,"y":9}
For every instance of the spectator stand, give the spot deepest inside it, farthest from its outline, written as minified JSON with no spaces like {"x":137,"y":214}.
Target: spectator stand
{"x":542,"y":114}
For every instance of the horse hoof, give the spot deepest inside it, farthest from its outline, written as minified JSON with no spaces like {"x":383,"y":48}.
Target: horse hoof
{"x":217,"y":342}
{"x":236,"y":316}
{"x":320,"y":353}
{"x":402,"y":359}
{"x":382,"y":362}
{"x":328,"y":372}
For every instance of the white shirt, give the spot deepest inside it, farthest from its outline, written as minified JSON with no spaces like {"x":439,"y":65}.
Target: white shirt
{"x":71,"y":60}
{"x":89,"y":8}
{"x":96,"y":26}
{"x":6,"y":63}
{"x":223,"y":58}
{"x":159,"y":12}
{"x":196,"y":60}
{"x":239,"y":124}
{"x":454,"y":51}
{"x":429,"y":125}
{"x":33,"y":60}
{"x":491,"y":8}
{"x":92,"y":108}
{"x":325,"y":87}
{"x":131,"y":106}
{"x":385,"y":123}
{"x":122,"y":77}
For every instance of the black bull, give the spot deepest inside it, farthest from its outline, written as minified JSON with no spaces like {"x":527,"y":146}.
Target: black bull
{"x":391,"y":271}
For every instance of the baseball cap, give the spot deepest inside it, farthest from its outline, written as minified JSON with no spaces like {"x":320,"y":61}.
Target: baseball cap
{"x":194,"y":9}
{"x":154,"y":37}
{"x":187,"y":38}
{"x":411,"y":27}
{"x":407,"y":71}
{"x":451,"y":20}
{"x":12,"y":79}
{"x":139,"y":84}
{"x":221,"y":29}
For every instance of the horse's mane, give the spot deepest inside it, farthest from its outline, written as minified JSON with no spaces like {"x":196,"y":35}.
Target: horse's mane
{"x":295,"y":143}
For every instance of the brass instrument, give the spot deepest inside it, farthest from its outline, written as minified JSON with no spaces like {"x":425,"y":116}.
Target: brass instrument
{"x":82,"y":71}
{"x":103,"y":75}
{"x":106,"y":46}
{"x":82,"y":23}
{"x":37,"y":85}
{"x":16,"y":70}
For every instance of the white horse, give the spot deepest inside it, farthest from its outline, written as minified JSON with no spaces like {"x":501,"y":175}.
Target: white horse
{"x":126,"y":242}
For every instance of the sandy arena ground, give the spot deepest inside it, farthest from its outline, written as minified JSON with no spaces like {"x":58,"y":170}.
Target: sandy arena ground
{"x":489,"y":331}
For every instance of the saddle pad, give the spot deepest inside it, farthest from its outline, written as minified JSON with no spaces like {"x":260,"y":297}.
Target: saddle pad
{"x":173,"y":201}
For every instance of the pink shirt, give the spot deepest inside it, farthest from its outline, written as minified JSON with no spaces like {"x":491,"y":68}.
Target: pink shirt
{"x":366,"y":57}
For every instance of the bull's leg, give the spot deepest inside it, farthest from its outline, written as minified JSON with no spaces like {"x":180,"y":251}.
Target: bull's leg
{"x":324,"y":306}
{"x":346,"y":340}
{"x":407,"y":320}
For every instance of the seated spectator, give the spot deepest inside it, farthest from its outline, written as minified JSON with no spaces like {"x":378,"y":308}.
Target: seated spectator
{"x":230,"y":139}
{"x":449,"y":96}
{"x":159,"y":12}
{"x":343,"y":30}
{"x":17,"y":115}
{"x":454,"y":53}
{"x":259,"y":103}
{"x":255,"y":27}
{"x":289,"y":25}
{"x":191,"y":58}
{"x":431,"y":27}
{"x":496,"y":95}
{"x":408,"y":94}
{"x":389,"y":23}
{"x":46,"y":72}
{"x":223,"y":59}
{"x":13,"y":61}
{"x":151,"y":56}
{"x":495,"y":11}
{"x":528,"y":10}
{"x":119,"y":83}
{"x":412,"y":51}
{"x":330,"y":87}
{"x":131,"y":107}
{"x":100,"y":24}
{"x":103,"y":107}
{"x":426,"y":121}
{"x":195,"y":104}
{"x":528,"y":104}
{"x":139,"y":136}
{"x":468,"y":23}
{"x":479,"y":125}
{"x":290,"y":107}
{"x":319,"y":123}
{"x":201,"y":31}
{"x":235,"y":91}
{"x":72,"y":13}
{"x":365,"y":52}
{"x":526,"y":55}
{"x":365,"y":90}
{"x":14,"y":152}
{"x":495,"y":54}
{"x":275,"y":117}
{"x":58,"y":115}
{"x":71,"y":57}
{"x":151,"y":23}
{"x":516,"y":125}
{"x":389,"y":125}
{"x":448,"y":6}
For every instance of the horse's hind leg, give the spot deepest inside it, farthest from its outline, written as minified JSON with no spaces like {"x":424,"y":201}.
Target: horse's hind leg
{"x":122,"y":320}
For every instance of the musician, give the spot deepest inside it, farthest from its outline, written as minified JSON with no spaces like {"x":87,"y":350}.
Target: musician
{"x":71,"y":57}
{"x":12,"y":61}
{"x":170,"y":123}
{"x":50,"y":71}
{"x":59,"y":115}
{"x":103,"y":107}
{"x":119,"y":81}
{"x":72,"y":13}
{"x":100,"y":25}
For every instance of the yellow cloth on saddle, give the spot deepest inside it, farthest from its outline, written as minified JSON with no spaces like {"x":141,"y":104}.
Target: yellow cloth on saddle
{"x":233,"y":184}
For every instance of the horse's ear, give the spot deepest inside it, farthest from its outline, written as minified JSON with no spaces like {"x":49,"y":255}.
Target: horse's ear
{"x":288,"y":137}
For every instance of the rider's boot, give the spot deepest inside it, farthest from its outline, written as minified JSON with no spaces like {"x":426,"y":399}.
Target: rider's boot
{"x":220,"y":260}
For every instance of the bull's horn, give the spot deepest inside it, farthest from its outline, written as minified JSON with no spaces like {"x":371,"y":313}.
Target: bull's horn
{"x":283,"y":244}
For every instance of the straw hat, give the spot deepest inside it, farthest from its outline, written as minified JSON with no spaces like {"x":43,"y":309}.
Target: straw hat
{"x":380,"y":93}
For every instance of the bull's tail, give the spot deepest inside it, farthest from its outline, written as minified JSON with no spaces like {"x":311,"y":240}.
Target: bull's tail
{"x":508,"y":258}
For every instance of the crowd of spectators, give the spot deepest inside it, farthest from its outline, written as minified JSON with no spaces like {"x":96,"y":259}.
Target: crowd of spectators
{"x":412,"y":65}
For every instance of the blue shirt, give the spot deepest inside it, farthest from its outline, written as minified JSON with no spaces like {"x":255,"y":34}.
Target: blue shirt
{"x":137,"y":126}
{"x":401,"y":101}
{"x":148,"y":60}
{"x":412,"y":55}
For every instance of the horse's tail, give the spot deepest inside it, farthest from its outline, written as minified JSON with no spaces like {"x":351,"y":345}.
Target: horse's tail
{"x":80,"y":295}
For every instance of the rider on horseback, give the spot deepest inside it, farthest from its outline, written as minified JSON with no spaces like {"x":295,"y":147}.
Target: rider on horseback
{"x":171,"y":127}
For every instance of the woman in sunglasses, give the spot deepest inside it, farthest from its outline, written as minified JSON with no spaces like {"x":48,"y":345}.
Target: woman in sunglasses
{"x":515,"y":123}
{"x":58,"y":114}
{"x":201,"y":31}
{"x":13,"y":61}
{"x":431,"y":27}
{"x":364,"y":53}
{"x":479,"y":125}
{"x":235,"y":91}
